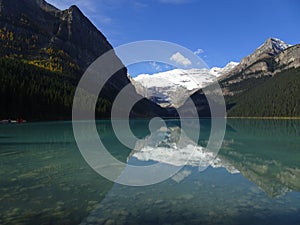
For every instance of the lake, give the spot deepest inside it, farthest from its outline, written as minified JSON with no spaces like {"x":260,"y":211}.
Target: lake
{"x":254,"y":179}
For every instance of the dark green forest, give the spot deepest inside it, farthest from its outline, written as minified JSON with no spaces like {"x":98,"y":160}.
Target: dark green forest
{"x":278,"y":96}
{"x":34,"y":93}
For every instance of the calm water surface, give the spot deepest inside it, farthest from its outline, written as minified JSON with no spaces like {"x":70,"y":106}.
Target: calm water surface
{"x":255,"y":179}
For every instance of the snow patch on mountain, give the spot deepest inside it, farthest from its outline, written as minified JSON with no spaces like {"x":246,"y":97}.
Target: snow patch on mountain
{"x":276,"y":44}
{"x":217,"y":71}
{"x":280,"y":44}
{"x":272,"y":46}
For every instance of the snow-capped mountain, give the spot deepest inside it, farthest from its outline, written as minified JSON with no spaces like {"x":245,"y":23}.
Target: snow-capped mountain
{"x":172,"y":88}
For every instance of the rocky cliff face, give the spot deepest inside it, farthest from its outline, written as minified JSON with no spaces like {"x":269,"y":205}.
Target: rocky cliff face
{"x":288,"y":59}
{"x":272,"y":47}
{"x":35,"y":27}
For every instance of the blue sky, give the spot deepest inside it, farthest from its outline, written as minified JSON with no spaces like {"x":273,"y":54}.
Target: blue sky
{"x":223,"y":30}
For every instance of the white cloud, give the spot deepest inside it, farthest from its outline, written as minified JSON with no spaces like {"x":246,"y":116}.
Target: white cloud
{"x":180,"y":59}
{"x":198,"y":51}
{"x":155,"y":66}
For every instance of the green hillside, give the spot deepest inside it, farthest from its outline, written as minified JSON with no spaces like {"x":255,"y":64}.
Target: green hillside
{"x":275,"y":97}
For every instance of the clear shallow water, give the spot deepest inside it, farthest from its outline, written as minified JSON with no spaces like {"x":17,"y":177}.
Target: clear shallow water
{"x":255,"y":178}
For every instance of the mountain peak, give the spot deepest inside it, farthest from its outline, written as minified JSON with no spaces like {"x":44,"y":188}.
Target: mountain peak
{"x":270,"y":48}
{"x":273,"y":46}
{"x":74,"y":8}
{"x":74,"y":11}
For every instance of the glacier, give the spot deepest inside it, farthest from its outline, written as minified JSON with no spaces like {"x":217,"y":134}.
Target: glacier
{"x":172,"y":88}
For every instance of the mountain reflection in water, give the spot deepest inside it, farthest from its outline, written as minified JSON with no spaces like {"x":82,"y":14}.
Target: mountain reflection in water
{"x":254,"y":179}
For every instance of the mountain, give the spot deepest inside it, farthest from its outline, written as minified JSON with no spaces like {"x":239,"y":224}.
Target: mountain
{"x":258,"y":66}
{"x":173,"y":87}
{"x":48,"y":37}
{"x":44,"y":52}
{"x":257,"y":61}
{"x":265,"y":83}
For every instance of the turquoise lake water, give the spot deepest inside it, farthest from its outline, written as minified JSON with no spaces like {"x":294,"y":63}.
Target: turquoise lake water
{"x":254,"y":179}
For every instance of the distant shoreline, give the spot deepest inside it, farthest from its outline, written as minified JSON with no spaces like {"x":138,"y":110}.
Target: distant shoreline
{"x":169,"y":118}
